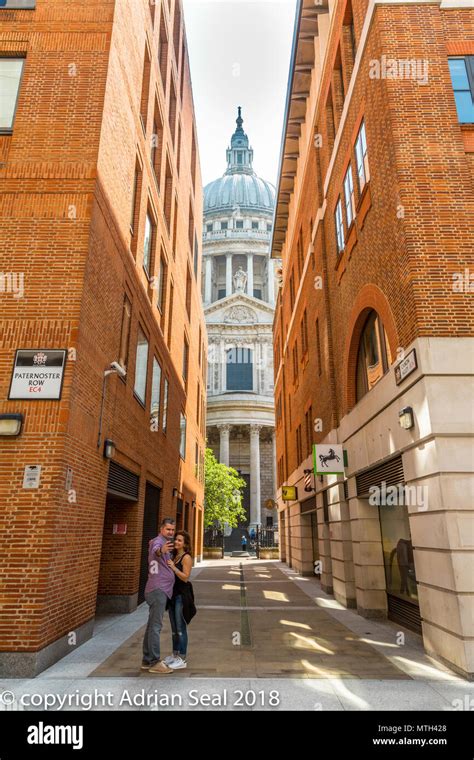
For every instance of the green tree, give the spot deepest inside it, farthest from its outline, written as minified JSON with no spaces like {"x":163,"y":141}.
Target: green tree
{"x":223,"y":489}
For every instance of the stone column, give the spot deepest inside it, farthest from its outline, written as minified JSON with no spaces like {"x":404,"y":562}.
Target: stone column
{"x":228,"y":274}
{"x":271,"y":281}
{"x":250,"y":274}
{"x":208,"y":280}
{"x":274,"y":459}
{"x":224,"y":431}
{"x":255,"y":508}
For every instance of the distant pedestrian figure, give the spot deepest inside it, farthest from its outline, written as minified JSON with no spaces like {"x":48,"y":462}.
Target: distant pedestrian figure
{"x":252,"y":534}
{"x":244,"y":543}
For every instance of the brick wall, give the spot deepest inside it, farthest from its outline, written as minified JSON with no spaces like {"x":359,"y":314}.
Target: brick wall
{"x":65,"y":206}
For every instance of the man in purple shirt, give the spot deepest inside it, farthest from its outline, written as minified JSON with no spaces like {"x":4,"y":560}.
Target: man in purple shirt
{"x":158,"y":589}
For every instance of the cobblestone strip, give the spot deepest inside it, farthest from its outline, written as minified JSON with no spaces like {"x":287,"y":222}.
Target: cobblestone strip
{"x":245,"y":633}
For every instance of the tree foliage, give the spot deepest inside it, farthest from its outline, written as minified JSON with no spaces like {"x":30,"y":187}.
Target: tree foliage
{"x":223,"y":490}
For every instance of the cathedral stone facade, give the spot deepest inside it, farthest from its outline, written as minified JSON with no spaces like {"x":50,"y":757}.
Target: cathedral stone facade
{"x":239,"y":296}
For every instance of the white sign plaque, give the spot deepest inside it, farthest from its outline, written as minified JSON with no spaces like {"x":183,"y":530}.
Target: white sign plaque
{"x":328,"y":459}
{"x":406,"y":367}
{"x":32,"y":476}
{"x":27,"y":5}
{"x":38,"y":374}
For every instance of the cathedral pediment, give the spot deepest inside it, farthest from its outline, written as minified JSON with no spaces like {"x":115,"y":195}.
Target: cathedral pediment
{"x":239,"y":308}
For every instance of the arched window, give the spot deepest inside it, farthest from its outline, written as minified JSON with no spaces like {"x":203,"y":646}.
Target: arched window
{"x":373,"y":357}
{"x":239,"y":369}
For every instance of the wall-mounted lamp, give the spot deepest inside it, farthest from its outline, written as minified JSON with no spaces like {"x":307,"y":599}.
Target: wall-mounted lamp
{"x":10,"y":425}
{"x":406,"y":418}
{"x":114,"y":369}
{"x":175,"y":493}
{"x":109,"y":449}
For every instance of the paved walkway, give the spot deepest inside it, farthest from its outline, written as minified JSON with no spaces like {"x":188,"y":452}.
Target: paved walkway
{"x":260,"y":627}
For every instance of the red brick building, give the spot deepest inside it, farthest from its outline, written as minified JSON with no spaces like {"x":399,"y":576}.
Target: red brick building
{"x":373,"y":328}
{"x":100,"y":223}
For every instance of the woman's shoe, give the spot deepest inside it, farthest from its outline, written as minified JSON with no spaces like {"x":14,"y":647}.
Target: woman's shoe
{"x":178,"y":664}
{"x":160,"y":669}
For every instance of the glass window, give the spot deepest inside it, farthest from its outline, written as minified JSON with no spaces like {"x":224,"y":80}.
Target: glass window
{"x":125,"y":332}
{"x":255,"y":225}
{"x":185,"y":359}
{"x":397,"y":549}
{"x":339,"y":226}
{"x":164,"y":421}
{"x":224,"y":225}
{"x":349,"y":196}
{"x":147,"y":244}
{"x":209,"y":227}
{"x":141,"y":365}
{"x":269,"y":227}
{"x":161,"y":284}
{"x":239,"y":369}
{"x":239,"y":225}
{"x":374,"y":358}
{"x":462,"y":78}
{"x":182,"y":438}
{"x":155,"y":390}
{"x":10,"y":77}
{"x":361,"y":157}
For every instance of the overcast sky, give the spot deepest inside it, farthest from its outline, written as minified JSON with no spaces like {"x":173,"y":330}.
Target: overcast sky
{"x":239,"y":53}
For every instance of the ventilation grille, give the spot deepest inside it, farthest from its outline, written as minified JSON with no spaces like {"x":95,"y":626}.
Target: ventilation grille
{"x":405,"y":613}
{"x":391,"y":472}
{"x":122,"y":482}
{"x":309,"y":505}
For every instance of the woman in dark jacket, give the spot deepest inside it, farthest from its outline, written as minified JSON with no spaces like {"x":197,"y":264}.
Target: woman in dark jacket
{"x":181,"y":606}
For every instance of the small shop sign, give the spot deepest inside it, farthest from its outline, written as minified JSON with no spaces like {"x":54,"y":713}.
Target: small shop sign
{"x":289,"y":493}
{"x":328,"y":459}
{"x":406,"y":367}
{"x":38,"y":374}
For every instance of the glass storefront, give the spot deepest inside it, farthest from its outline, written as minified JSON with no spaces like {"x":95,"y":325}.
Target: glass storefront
{"x":402,"y":589}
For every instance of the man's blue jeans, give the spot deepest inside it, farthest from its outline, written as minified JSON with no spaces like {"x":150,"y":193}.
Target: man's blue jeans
{"x":178,"y":627}
{"x":156,"y":601}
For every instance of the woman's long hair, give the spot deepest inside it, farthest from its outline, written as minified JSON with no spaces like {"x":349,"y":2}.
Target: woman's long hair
{"x":187,"y":546}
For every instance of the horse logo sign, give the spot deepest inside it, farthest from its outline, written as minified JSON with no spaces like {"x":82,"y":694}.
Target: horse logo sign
{"x":328,"y":459}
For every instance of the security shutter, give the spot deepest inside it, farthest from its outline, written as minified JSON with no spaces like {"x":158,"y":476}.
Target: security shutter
{"x":122,"y":482}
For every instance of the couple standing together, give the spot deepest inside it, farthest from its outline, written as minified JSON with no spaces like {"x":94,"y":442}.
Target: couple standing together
{"x":168,"y":588}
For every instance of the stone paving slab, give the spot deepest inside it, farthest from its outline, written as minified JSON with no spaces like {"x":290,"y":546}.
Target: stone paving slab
{"x":282,"y":634}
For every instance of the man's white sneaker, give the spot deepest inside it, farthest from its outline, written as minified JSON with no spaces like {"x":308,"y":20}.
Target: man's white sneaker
{"x":169,"y":659}
{"x":177,"y":664}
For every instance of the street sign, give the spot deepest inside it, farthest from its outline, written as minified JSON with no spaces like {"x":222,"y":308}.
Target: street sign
{"x":270,"y":504}
{"x":328,"y":459}
{"x":406,"y":367}
{"x":289,"y":493}
{"x":32,"y":476}
{"x":38,"y":374}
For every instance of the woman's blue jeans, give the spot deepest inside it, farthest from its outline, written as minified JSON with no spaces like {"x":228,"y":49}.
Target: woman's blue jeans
{"x":178,"y":626}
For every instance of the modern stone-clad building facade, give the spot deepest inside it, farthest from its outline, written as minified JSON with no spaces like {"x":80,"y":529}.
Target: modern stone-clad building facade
{"x":374,"y":322}
{"x":100,"y":246}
